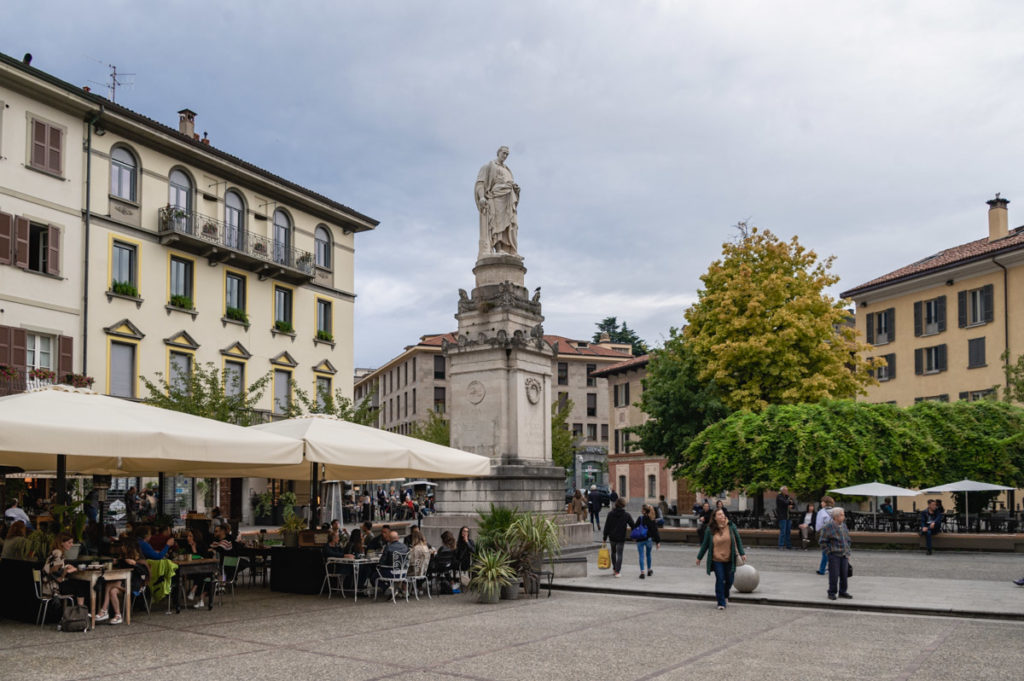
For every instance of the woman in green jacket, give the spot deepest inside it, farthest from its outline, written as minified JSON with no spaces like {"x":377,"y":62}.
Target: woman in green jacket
{"x":723,"y":540}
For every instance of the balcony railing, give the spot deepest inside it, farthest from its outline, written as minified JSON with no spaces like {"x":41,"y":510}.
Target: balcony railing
{"x":206,"y":232}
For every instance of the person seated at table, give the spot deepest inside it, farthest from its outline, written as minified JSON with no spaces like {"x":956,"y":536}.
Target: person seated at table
{"x":128,"y":533}
{"x":355,"y":547}
{"x":886,"y":506}
{"x":334,"y":547}
{"x":342,"y":534}
{"x":419,"y":554}
{"x":143,"y":535}
{"x":113,"y":592}
{"x":464,"y":549}
{"x":931,"y":523}
{"x":807,"y":526}
{"x":192,"y":545}
{"x":15,"y":541}
{"x":381,"y":540}
{"x":14,"y":513}
{"x":160,"y":538}
{"x":56,"y":572}
{"x":387,"y":559}
{"x":223,"y":546}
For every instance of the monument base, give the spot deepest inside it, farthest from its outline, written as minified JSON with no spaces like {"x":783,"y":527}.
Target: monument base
{"x":526,"y":485}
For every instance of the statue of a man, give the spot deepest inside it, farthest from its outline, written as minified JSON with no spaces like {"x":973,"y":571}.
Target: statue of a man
{"x":497,"y":196}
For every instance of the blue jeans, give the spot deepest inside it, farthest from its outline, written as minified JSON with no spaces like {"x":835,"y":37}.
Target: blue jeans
{"x":723,"y":580}
{"x":928,"y":533}
{"x":838,"y":571}
{"x":785,"y":533}
{"x":595,"y":517}
{"x":824,"y":562}
{"x":643,"y":547}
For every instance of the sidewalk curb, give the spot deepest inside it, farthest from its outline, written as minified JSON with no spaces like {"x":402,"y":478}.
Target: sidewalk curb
{"x":827,"y":605}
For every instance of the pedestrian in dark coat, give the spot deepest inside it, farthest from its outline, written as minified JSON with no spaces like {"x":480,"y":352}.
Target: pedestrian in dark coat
{"x":615,"y":528}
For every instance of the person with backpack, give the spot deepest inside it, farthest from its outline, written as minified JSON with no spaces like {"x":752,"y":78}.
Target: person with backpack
{"x":615,"y":531}
{"x":722,"y":539}
{"x":645,"y":533}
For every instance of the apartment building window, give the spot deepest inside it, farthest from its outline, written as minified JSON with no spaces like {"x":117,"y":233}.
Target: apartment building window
{"x":122,"y":370}
{"x":930,"y":316}
{"x":38,"y":351}
{"x":591,"y":404}
{"x":181,"y":282}
{"x":622,"y":485}
{"x":563,"y":401}
{"x":234,"y":296}
{"x":282,"y":237}
{"x":322,"y":247}
{"x":439,"y":400}
{"x":604,"y":432}
{"x":414,"y":369}
{"x":975,"y":395}
{"x":282,"y":390}
{"x":577,"y":430}
{"x":43,"y":247}
{"x":620,"y":395}
{"x":123,"y":174}
{"x":591,"y":381}
{"x":618,"y":441}
{"x":592,"y":432}
{"x":179,"y":196}
{"x":975,"y":306}
{"x":283,"y":308}
{"x":652,"y":486}
{"x":933,"y":398}
{"x":234,"y":219}
{"x":414,"y":401}
{"x":881,"y":326}
{"x":179,"y":366}
{"x":47,"y":147}
{"x":563,"y":373}
{"x":234,"y":378}
{"x":930,"y":360}
{"x":887,"y":371}
{"x":324,"y":321}
{"x":439,"y":367}
{"x":123,"y":266}
{"x":975,"y":353}
{"x":323,"y":390}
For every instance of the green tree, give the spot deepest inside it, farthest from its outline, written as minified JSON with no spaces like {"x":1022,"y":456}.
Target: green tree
{"x":323,"y":402}
{"x":678,"y":404}
{"x":436,"y":429}
{"x":209,"y":392}
{"x":620,"y":334}
{"x":764,"y":331}
{"x":563,"y":444}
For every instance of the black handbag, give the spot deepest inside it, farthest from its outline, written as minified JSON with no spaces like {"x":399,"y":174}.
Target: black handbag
{"x":849,"y":569}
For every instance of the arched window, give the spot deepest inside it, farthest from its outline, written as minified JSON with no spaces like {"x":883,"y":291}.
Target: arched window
{"x":322,"y":247}
{"x":282,"y":237}
{"x":180,"y":198}
{"x":123,"y":174}
{"x":234,"y":219}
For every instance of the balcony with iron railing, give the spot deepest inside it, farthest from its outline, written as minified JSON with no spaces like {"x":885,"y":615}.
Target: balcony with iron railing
{"x":221,"y":242}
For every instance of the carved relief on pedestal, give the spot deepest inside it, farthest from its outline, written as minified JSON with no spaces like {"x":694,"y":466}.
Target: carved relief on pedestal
{"x":533,"y":390}
{"x":475,"y":392}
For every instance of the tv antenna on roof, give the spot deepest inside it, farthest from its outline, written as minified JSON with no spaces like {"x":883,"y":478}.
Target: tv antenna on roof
{"x":116,"y":80}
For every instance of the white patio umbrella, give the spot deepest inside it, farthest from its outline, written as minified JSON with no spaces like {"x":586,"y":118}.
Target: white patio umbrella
{"x":107,"y":435}
{"x":875,"y":489}
{"x":350,"y":451}
{"x":967,"y":486}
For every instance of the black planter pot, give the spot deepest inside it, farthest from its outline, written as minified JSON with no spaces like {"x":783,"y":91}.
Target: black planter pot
{"x":263,"y":520}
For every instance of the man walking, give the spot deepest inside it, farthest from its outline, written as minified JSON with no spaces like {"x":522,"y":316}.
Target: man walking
{"x":615,"y":526}
{"x":931,"y":523}
{"x":594,"y":500}
{"x":835,"y":543}
{"x":783,"y":503}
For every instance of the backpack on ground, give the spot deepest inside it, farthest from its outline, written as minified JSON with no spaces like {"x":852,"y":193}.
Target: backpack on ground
{"x":74,"y":618}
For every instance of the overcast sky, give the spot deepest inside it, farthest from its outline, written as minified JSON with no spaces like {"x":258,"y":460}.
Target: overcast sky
{"x":640,"y":132}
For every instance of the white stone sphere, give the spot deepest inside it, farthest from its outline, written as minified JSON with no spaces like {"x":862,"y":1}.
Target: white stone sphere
{"x":746,"y":579}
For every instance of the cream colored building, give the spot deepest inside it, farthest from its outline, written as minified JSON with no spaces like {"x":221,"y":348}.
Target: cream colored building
{"x":943,"y":322}
{"x":408,"y":386}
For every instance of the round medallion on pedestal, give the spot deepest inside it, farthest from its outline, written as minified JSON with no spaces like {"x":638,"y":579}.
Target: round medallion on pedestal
{"x":475,"y":392}
{"x":533,"y":390}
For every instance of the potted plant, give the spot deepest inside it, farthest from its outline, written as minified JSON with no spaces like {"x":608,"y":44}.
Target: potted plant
{"x":290,"y":529}
{"x":124,"y":288}
{"x":8,"y":372}
{"x":184,"y":302}
{"x":287,"y":501}
{"x":237,"y":314}
{"x":78,"y":380}
{"x":210,"y":229}
{"x":490,"y":572}
{"x":305,"y":261}
{"x":529,"y":538}
{"x":324,"y":336}
{"x":41,"y":374}
{"x":170,"y":214}
{"x":263,"y":508}
{"x":37,"y":546}
{"x":283,"y":326}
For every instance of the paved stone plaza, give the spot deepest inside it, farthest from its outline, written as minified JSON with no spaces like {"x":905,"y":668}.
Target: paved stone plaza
{"x":266,"y":635}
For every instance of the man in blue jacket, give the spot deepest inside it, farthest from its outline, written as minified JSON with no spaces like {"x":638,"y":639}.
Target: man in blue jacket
{"x":931,"y":523}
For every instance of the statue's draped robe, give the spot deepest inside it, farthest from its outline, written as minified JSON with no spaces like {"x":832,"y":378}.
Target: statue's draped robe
{"x":498,"y":224}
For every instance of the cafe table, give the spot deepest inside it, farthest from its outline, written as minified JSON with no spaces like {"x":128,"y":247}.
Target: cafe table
{"x":357,"y":564}
{"x":92,"y":575}
{"x":197,"y":570}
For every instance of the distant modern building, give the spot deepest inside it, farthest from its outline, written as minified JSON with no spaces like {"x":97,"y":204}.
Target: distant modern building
{"x":943,"y":323}
{"x":414,"y":382}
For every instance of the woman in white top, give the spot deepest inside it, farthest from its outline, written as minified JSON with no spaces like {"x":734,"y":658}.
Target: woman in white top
{"x":807,"y":526}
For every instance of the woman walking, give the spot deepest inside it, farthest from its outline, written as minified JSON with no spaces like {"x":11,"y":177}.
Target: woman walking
{"x":723,"y":540}
{"x":646,"y":520}
{"x":615,"y":531}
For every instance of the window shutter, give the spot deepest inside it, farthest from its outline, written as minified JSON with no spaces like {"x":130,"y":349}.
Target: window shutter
{"x":21,"y":234}
{"x":871,"y":327}
{"x":53,"y":250}
{"x":965,"y":396}
{"x":940,"y":357}
{"x":940,"y":313}
{"x":626,"y":401}
{"x":6,"y":237}
{"x":38,"y":144}
{"x":65,"y":361}
{"x":891,"y":312}
{"x":19,"y":340}
{"x":53,"y":150}
{"x":919,"y":361}
{"x":918,"y":321}
{"x":987,"y":295}
{"x":5,"y":344}
{"x":890,"y":359}
{"x":961,"y":309}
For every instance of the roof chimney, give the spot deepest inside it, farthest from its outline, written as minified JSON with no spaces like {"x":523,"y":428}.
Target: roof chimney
{"x":187,"y":122}
{"x":998,"y":219}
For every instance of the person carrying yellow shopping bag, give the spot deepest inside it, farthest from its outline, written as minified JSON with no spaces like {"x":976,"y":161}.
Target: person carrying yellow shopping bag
{"x":604,"y":557}
{"x":615,"y":528}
